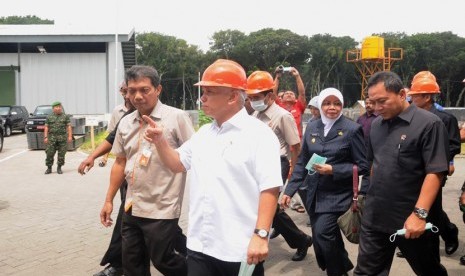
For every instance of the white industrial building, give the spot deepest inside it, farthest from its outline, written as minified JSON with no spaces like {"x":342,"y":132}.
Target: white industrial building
{"x":40,"y":64}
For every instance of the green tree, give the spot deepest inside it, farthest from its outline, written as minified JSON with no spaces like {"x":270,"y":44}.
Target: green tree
{"x":177,"y":63}
{"x":224,"y":43}
{"x":24,"y":20}
{"x":441,"y":53}
{"x":327,"y":66}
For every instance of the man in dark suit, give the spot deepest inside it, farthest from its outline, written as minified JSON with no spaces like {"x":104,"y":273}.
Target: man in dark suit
{"x":409,"y":152}
{"x":423,"y":91}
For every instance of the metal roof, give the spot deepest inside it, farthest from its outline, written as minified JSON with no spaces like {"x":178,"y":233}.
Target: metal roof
{"x":57,"y":33}
{"x":66,"y":39}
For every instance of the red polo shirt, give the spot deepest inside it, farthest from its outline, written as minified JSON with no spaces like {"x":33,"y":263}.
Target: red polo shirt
{"x":296,"y":110}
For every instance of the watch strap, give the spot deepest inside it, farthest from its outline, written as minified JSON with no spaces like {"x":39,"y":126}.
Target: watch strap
{"x":420,"y":212}
{"x":262,"y":233}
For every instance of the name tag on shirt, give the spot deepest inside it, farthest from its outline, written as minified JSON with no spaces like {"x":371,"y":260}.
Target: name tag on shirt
{"x":145,"y":157}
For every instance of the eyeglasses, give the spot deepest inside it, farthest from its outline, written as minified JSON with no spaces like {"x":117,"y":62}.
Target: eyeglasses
{"x":143,"y":90}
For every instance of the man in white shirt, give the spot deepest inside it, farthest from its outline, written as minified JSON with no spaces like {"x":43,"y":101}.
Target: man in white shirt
{"x":235,"y":177}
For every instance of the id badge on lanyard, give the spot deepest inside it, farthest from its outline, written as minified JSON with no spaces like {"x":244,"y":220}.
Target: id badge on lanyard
{"x":145,"y":156}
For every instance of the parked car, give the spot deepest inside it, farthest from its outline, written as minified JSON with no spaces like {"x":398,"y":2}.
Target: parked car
{"x":1,"y":133}
{"x":15,"y":118}
{"x":36,"y":121}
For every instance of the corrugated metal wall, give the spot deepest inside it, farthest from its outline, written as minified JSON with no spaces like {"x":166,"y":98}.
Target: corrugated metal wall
{"x":78,"y":80}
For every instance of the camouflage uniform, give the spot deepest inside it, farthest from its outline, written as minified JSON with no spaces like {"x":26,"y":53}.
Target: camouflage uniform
{"x":57,"y":138}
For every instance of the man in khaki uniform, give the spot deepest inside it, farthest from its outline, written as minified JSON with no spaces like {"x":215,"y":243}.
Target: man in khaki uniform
{"x":154,"y":195}
{"x":116,"y":115}
{"x":260,"y":86}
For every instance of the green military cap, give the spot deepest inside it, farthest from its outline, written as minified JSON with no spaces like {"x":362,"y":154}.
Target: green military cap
{"x":56,"y":103}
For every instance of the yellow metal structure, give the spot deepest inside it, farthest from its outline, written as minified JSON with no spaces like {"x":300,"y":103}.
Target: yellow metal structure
{"x":372,"y":58}
{"x":373,"y":47}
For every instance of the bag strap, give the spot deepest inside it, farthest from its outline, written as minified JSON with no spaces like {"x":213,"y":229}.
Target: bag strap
{"x":355,"y":187}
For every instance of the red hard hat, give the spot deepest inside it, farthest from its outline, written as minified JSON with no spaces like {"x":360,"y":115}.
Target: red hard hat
{"x":259,"y":81}
{"x":225,"y":73}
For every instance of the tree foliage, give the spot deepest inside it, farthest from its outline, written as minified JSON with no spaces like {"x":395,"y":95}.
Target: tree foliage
{"x":177,"y":63}
{"x":24,"y":20}
{"x":320,"y":59}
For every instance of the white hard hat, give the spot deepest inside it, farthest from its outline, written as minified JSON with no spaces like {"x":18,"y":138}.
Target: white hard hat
{"x":313,"y":102}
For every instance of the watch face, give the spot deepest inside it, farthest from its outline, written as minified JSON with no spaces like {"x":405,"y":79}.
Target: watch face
{"x":421,"y":213}
{"x":262,"y":233}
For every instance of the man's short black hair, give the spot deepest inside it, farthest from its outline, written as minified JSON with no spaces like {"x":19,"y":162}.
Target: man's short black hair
{"x":391,"y":81}
{"x":142,"y":71}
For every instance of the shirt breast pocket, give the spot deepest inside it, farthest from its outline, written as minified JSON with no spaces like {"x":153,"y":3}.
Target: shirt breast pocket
{"x":234,"y":154}
{"x":407,"y":158}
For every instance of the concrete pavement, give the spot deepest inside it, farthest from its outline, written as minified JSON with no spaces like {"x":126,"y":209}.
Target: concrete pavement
{"x":49,"y":224}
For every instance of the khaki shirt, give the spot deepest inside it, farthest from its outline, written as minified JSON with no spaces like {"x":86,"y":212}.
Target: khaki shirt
{"x":154,"y":191}
{"x":116,"y":115}
{"x":283,"y":125}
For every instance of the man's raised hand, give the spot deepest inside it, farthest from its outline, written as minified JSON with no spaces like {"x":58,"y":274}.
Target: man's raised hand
{"x":153,"y":133}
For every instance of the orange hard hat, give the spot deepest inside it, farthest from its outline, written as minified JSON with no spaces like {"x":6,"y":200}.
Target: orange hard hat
{"x":425,"y":85}
{"x":259,"y":81}
{"x":424,"y":74}
{"x":225,"y":73}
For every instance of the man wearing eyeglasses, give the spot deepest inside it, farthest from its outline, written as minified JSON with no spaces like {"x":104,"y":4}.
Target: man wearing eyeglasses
{"x":154,"y":196}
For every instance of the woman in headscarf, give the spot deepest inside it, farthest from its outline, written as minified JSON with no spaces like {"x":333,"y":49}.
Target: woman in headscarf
{"x":329,"y":185}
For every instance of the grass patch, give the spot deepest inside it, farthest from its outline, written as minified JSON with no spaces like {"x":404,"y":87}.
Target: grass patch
{"x":98,"y":139}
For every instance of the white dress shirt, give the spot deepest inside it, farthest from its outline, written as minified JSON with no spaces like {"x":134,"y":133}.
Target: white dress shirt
{"x":230,"y":166}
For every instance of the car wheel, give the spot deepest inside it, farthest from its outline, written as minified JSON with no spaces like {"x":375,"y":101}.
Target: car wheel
{"x":7,"y":131}
{"x":24,"y":129}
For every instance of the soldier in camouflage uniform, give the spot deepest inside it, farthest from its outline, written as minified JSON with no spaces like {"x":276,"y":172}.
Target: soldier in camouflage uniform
{"x":57,"y":134}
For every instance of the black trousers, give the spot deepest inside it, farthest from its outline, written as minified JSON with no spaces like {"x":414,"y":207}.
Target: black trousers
{"x":283,"y":223}
{"x":303,"y":196}
{"x":446,"y":228}
{"x":438,"y":217}
{"x":328,"y":245}
{"x":376,"y":253}
{"x":146,"y":240}
{"x":200,"y":264}
{"x":114,"y":254}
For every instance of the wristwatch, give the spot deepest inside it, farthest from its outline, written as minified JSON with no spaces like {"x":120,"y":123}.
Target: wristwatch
{"x":262,"y":233}
{"x":420,"y":213}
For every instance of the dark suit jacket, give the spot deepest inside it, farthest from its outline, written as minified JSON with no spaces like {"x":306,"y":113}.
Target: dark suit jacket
{"x":453,"y":131}
{"x":343,"y":146}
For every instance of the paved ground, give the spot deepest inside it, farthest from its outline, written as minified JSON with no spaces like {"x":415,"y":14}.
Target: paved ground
{"x":49,"y":224}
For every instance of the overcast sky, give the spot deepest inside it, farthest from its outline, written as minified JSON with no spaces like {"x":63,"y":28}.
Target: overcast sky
{"x":196,"y":21}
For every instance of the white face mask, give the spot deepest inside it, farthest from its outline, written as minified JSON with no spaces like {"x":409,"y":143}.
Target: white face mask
{"x":258,"y":105}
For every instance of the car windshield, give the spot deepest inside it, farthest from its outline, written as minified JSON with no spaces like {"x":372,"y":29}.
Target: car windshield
{"x":4,"y":110}
{"x":43,"y":110}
